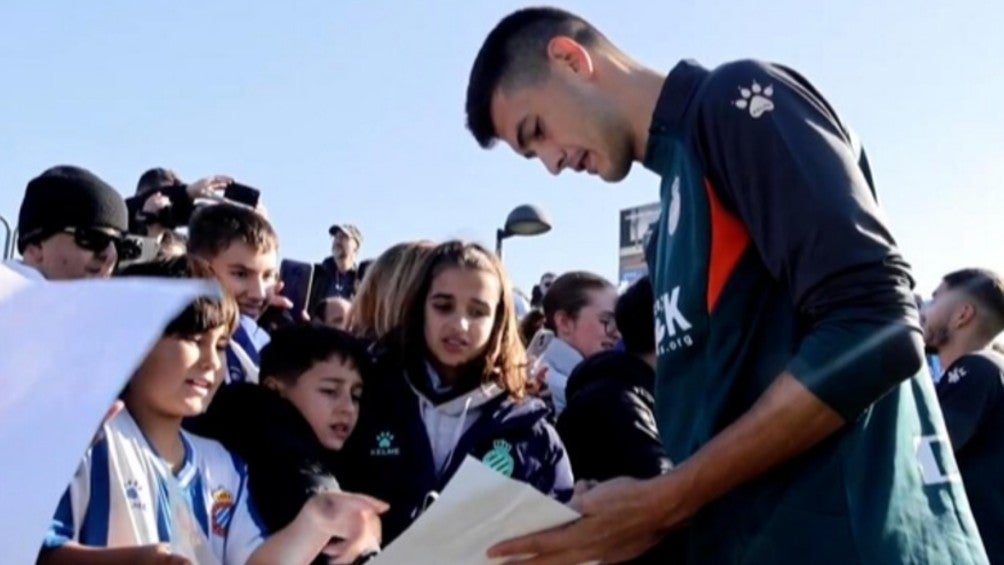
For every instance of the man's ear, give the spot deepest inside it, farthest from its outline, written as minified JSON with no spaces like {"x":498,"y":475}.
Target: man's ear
{"x":33,"y":254}
{"x":570,"y":54}
{"x":964,"y":315}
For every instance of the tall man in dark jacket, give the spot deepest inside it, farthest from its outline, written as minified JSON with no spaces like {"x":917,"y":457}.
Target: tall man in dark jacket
{"x":791,"y":392}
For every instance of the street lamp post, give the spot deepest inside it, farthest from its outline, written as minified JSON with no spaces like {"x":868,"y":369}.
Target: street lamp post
{"x":524,"y":220}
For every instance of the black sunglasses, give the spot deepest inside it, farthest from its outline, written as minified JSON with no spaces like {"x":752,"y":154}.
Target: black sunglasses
{"x":95,"y":240}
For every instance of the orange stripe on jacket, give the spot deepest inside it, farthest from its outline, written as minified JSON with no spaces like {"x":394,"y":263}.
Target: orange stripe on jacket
{"x":729,"y":240}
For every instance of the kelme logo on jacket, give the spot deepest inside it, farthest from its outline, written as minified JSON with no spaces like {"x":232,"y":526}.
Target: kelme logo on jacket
{"x":499,"y":458}
{"x":385,"y":445}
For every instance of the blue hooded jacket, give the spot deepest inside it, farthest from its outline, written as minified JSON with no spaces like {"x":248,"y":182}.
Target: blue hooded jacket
{"x":390,"y":455}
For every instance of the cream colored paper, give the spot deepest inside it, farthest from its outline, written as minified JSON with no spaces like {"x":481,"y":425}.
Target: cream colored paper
{"x":476,"y":510}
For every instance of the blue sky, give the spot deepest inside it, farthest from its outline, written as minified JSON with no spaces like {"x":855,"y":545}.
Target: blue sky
{"x":353,"y":111}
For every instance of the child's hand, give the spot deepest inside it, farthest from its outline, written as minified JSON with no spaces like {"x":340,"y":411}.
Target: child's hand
{"x":275,"y":299}
{"x":352,"y":520}
{"x":159,"y":554}
{"x":536,"y":384}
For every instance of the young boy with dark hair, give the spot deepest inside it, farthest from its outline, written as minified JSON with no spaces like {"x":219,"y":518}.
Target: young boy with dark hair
{"x":290,"y":428}
{"x":241,"y":248}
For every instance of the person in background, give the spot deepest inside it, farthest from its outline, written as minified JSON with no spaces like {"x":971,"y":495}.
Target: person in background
{"x":338,"y":275}
{"x":962,"y":320}
{"x":579,"y":309}
{"x":540,"y":289}
{"x":451,"y":384}
{"x":379,"y":305}
{"x":241,"y":248}
{"x":163,"y":202}
{"x":333,"y":312}
{"x":520,"y":302}
{"x":930,"y":354}
{"x":609,"y":425}
{"x":529,"y":325}
{"x":364,"y":267}
{"x":172,"y":244}
{"x":71,"y":225}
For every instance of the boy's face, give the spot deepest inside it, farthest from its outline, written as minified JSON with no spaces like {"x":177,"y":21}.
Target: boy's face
{"x":336,"y":312}
{"x":327,"y":395}
{"x":249,"y":276}
{"x":180,"y":374}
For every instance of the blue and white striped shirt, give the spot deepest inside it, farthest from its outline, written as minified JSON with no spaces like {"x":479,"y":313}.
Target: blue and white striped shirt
{"x":122,"y":496}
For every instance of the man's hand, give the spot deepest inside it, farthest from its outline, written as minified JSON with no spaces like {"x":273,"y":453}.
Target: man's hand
{"x":155,"y":203}
{"x":621,"y":519}
{"x":208,"y":187}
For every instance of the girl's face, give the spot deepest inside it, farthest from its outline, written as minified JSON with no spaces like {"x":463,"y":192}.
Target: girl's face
{"x":593,"y":328}
{"x":180,"y":374}
{"x":459,"y":317}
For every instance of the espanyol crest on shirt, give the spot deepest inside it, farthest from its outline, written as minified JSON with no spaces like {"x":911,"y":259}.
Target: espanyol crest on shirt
{"x":499,"y":458}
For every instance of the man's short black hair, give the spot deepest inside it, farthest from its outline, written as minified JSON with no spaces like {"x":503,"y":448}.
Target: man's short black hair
{"x":986,"y":288}
{"x":293,"y":350}
{"x":635,"y":317}
{"x":515,"y":54}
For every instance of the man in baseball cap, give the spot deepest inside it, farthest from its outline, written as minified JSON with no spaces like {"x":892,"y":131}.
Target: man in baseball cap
{"x":71,"y":226}
{"x":339,"y":274}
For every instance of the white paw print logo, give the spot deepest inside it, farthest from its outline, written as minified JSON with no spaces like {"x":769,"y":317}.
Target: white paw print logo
{"x":956,"y":374}
{"x":756,"y":98}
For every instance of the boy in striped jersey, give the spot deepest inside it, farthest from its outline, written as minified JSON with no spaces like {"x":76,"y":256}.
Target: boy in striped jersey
{"x":149,"y":492}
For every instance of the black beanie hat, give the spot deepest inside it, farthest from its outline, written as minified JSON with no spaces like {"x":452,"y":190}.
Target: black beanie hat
{"x":68,"y":196}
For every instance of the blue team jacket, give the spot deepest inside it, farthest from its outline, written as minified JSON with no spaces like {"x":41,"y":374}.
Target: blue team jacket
{"x":389,"y":454}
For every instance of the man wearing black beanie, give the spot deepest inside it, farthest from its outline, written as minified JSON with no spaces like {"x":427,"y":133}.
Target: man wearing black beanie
{"x":71,"y":226}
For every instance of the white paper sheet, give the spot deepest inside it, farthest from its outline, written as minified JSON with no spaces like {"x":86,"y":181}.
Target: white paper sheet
{"x":476,"y":510}
{"x":66,"y":350}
